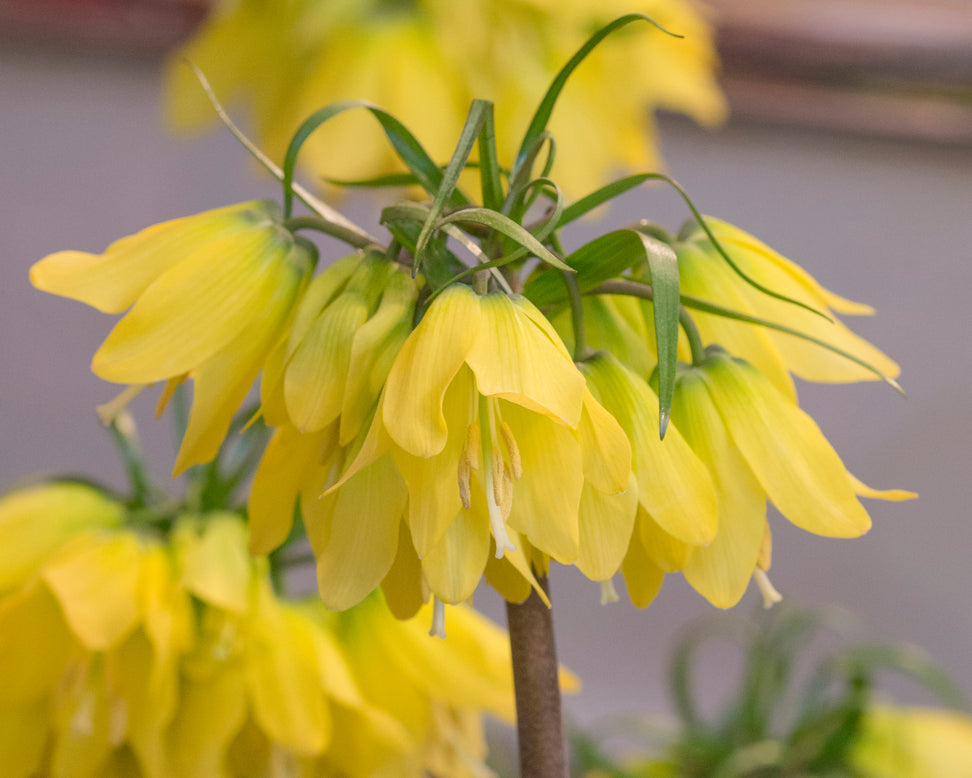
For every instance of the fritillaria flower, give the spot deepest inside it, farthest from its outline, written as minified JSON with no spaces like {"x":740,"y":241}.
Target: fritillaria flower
{"x":207,"y":297}
{"x":129,"y":651}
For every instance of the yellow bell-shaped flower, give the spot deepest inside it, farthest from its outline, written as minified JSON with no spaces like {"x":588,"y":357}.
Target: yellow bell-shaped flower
{"x":209,"y":296}
{"x":350,"y":324}
{"x":757,"y":444}
{"x":705,"y":274}
{"x":123,"y":653}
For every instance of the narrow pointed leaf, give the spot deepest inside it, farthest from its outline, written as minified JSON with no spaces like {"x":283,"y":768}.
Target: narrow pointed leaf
{"x":409,"y":150}
{"x":663,"y":266}
{"x":545,"y":109}
{"x":492,"y":185}
{"x":507,"y":227}
{"x":467,"y":139}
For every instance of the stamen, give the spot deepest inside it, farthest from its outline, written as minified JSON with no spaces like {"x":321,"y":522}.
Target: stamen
{"x":492,"y":472}
{"x":167,"y":391}
{"x":765,"y":558}
{"x":512,"y":450}
{"x":465,"y":490}
{"x":497,"y":467}
{"x":766,"y":588}
{"x":608,"y":592}
{"x":438,"y":619}
{"x":109,"y":411}
{"x":506,"y":504}
{"x":470,"y":450}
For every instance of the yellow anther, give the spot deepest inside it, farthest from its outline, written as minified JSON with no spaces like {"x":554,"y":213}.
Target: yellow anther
{"x":512,"y":450}
{"x":470,"y":451}
{"x":465,"y":490}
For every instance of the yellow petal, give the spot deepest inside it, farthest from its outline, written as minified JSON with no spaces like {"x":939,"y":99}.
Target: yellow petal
{"x":512,"y":576}
{"x":673,"y":485}
{"x":861,"y":489}
{"x":214,"y":560}
{"x":424,"y":368}
{"x":199,"y":306}
{"x":286,"y":463}
{"x":515,"y":359}
{"x":456,"y":562}
{"x":642,"y":577}
{"x":706,"y":275}
{"x":282,"y":677}
{"x":802,"y":358}
{"x":913,"y":742}
{"x":35,"y":644}
{"x":88,"y":722}
{"x":737,"y":237}
{"x":607,"y":452}
{"x":785,"y":449}
{"x":315,"y":380}
{"x":432,"y":482}
{"x":356,"y":547}
{"x":547,"y":496}
{"x":720,"y":572}
{"x":374,"y":348}
{"x":34,"y":522}
{"x":403,"y":587}
{"x":605,"y":524}
{"x":666,"y":552}
{"x":212,"y":709}
{"x":323,"y":289}
{"x":112,"y":281}
{"x":95,"y":580}
{"x":223,"y":381}
{"x":23,"y":733}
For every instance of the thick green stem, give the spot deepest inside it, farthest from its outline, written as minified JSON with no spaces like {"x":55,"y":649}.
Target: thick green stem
{"x":540,"y":730}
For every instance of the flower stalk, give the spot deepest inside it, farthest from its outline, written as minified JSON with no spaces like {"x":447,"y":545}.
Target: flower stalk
{"x":539,"y":725}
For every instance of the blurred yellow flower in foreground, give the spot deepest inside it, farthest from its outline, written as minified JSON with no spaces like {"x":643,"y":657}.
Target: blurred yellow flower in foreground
{"x":913,"y":743}
{"x":126,"y":654}
{"x":208,"y":297}
{"x":425,"y":61}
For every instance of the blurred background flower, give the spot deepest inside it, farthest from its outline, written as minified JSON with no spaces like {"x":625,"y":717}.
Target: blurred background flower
{"x":425,"y":60}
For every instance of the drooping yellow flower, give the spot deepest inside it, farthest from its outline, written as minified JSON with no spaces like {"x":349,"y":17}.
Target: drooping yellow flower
{"x":913,"y":743}
{"x":757,"y":444}
{"x":482,"y":442}
{"x":350,"y":324}
{"x":704,"y":273}
{"x":209,"y":296}
{"x":126,"y":653}
{"x":288,"y":59}
{"x":672,"y":487}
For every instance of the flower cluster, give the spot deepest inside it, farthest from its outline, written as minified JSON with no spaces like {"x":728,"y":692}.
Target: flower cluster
{"x":425,"y":61}
{"x":625,"y":407}
{"x":126,"y":651}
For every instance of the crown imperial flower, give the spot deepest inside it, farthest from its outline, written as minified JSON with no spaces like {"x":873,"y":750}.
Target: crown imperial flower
{"x":194,"y":287}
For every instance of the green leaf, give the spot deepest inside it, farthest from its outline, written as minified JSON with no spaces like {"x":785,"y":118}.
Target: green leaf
{"x":409,"y":150}
{"x":612,"y":190}
{"x":509,"y":228}
{"x":603,"y":258}
{"x":545,"y":109}
{"x":404,"y":222}
{"x":492,"y":185}
{"x":467,"y":139}
{"x":663,"y":267}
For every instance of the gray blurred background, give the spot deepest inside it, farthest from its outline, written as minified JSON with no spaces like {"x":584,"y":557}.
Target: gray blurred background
{"x":876,"y":211}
